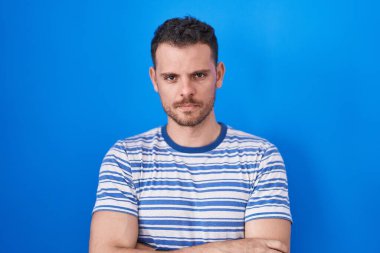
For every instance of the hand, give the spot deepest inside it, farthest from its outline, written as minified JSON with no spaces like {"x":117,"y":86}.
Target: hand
{"x":252,"y":245}
{"x":143,"y":246}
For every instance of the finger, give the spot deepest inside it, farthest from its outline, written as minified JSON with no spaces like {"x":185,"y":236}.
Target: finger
{"x":143,"y":246}
{"x":273,"y":251}
{"x":276,"y":245}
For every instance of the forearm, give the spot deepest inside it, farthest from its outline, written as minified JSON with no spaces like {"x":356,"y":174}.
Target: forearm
{"x":212,"y":247}
{"x":121,"y":250}
{"x":230,"y":246}
{"x":275,"y":229}
{"x":251,"y":245}
{"x":139,"y":248}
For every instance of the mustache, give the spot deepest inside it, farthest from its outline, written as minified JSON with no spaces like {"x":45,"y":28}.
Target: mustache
{"x":187,"y":101}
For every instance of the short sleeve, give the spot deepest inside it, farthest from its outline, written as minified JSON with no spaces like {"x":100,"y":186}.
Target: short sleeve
{"x":269,"y":197}
{"x":116,"y":190}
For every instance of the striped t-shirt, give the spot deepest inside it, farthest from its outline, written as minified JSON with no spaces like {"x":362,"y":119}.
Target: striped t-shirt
{"x":186,"y":196}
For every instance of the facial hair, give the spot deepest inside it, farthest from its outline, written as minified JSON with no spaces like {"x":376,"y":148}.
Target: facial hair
{"x":189,"y":120}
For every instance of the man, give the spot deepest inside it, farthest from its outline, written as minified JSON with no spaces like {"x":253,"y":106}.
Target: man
{"x":193,"y":185}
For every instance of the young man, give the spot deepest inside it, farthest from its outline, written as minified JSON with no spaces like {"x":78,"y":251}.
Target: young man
{"x":193,"y":185}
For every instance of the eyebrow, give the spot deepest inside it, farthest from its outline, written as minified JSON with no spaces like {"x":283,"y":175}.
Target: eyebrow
{"x":196,"y":71}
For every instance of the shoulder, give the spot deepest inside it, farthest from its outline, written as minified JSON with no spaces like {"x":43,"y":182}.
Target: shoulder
{"x":146,"y":138}
{"x":247,"y":139}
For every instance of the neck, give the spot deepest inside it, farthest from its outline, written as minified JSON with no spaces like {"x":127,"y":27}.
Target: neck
{"x":200,"y":135}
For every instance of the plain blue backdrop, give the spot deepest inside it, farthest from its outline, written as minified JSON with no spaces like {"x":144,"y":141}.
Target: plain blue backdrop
{"x":74,"y":79}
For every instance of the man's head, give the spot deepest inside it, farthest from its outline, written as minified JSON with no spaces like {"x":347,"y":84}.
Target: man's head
{"x":181,"y":32}
{"x":185,"y":74}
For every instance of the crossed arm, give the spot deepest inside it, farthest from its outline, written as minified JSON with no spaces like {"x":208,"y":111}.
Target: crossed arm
{"x":115,"y":232}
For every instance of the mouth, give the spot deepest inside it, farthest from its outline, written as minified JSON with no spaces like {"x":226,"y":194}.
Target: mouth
{"x":187,"y":105}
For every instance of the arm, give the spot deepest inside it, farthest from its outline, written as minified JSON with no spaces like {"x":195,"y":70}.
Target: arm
{"x":273,"y":229}
{"x":113,"y":231}
{"x":268,"y":210}
{"x":117,"y":233}
{"x":114,"y":225}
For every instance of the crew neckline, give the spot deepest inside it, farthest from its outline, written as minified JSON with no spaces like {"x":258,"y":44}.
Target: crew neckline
{"x":202,"y":149}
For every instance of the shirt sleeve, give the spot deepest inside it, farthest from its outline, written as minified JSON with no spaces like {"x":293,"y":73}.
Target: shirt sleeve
{"x":269,"y":197}
{"x":116,"y":191}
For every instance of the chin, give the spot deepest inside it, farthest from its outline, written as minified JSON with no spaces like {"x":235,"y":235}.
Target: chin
{"x":189,"y":121}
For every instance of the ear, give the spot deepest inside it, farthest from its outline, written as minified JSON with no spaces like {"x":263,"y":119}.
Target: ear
{"x":220,"y":70}
{"x":152,"y":74}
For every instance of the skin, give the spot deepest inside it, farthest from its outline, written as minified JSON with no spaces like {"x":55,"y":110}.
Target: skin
{"x":188,"y":74}
{"x":186,"y":79}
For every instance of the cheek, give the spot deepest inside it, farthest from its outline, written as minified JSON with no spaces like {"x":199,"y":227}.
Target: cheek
{"x":166,"y":97}
{"x":209,"y":92}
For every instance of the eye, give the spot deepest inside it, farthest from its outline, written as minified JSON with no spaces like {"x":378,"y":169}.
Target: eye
{"x":170,"y":78}
{"x":199,"y":75}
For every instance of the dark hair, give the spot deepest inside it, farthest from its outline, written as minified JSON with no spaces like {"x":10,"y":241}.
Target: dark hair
{"x":182,"y":32}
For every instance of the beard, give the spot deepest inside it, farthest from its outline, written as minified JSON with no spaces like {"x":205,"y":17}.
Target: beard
{"x":190,"y":118}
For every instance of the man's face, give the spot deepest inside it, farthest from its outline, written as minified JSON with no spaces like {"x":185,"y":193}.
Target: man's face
{"x":186,"y":79}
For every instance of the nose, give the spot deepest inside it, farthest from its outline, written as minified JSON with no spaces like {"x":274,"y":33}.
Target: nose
{"x":187,"y":88}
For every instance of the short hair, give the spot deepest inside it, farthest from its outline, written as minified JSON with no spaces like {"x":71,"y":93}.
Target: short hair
{"x":182,"y":32}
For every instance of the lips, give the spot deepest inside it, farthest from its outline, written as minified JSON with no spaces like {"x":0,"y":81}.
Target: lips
{"x":187,"y":105}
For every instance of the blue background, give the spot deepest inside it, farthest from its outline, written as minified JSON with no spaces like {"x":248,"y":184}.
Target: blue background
{"x":74,"y":79}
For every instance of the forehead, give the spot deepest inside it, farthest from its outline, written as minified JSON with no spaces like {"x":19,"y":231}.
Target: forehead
{"x":185,"y":58}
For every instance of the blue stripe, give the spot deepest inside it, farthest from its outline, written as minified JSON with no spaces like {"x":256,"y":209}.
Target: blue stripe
{"x":264,"y":214}
{"x":191,"y":203}
{"x":168,"y":151}
{"x":116,"y":183}
{"x":148,"y":152}
{"x":116,"y":158}
{"x":192,"y":219}
{"x":274,"y":179}
{"x":289,"y":218}
{"x":220,"y":180}
{"x":197,"y":164}
{"x":225,"y":198}
{"x":193,"y":173}
{"x":161,"y":208}
{"x":117,"y":196}
{"x":105,"y":172}
{"x":174,"y":243}
{"x":264,"y":202}
{"x":193,"y":184}
{"x":272,"y":185}
{"x":269,"y":197}
{"x":132,"y":202}
{"x":158,"y":165}
{"x":112,"y":178}
{"x":268,"y":205}
{"x":190,"y":190}
{"x":144,"y":136}
{"x":177,"y":244}
{"x":111,"y":208}
{"x":112,"y":162}
{"x":238,"y":143}
{"x":271,"y":168}
{"x":192,"y":223}
{"x":208,"y":239}
{"x":229,"y":136}
{"x":195,"y":229}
